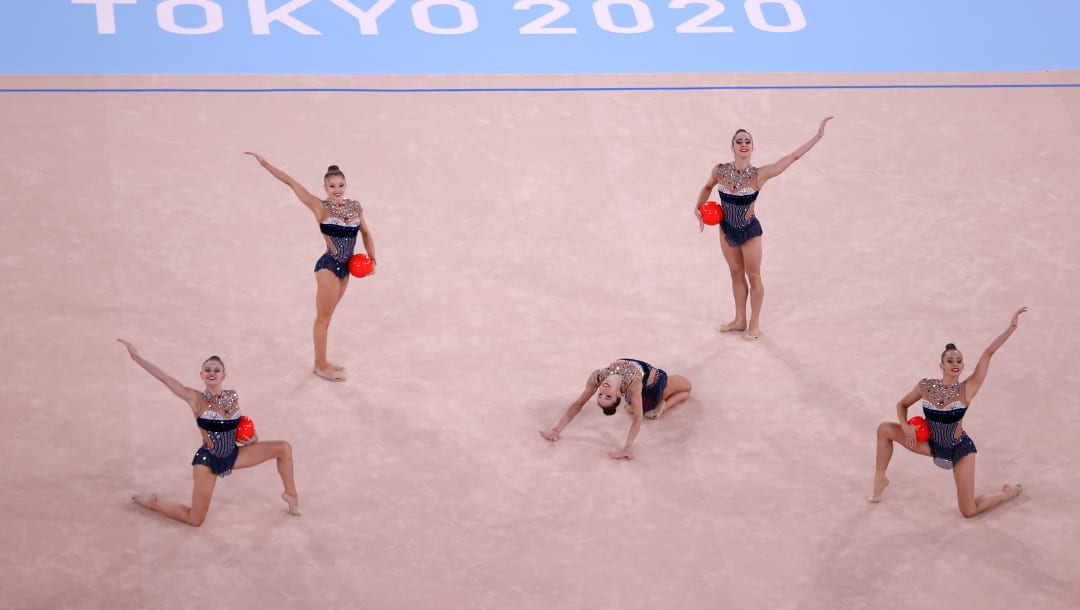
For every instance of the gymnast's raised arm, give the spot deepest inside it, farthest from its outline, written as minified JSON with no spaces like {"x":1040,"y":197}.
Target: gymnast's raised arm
{"x":188,"y":395}
{"x":975,"y":381}
{"x":775,"y":169}
{"x":312,"y":202}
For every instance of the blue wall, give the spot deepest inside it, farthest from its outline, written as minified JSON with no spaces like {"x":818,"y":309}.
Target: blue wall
{"x":493,"y":36}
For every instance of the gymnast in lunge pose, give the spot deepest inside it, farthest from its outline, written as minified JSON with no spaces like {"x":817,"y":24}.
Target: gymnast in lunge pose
{"x":944,"y":403}
{"x":339,"y":221}
{"x":217,"y":414}
{"x":650,"y":392}
{"x":739,"y":184}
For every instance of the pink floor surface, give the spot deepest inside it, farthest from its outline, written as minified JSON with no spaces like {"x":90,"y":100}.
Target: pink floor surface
{"x":524,"y":239}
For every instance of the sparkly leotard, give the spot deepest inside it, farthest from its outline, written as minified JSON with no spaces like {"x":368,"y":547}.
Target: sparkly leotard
{"x":219,"y":420}
{"x":944,"y":410}
{"x":341,"y":226}
{"x":631,"y":370}
{"x":735,"y":200}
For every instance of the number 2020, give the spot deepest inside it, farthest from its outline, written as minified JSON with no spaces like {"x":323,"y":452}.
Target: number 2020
{"x":643,"y":21}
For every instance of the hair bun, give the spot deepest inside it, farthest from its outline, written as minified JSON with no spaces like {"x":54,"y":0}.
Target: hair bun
{"x":333,"y":168}
{"x":950,"y":346}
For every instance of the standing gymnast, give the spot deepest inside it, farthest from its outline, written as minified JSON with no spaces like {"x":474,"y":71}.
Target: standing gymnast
{"x":217,"y":414}
{"x":944,"y":403}
{"x":339,"y":221}
{"x":738,"y":184}
{"x":650,"y":391}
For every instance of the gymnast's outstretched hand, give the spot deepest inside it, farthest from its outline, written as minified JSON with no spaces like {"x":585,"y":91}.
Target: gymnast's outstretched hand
{"x":821,"y":128}
{"x":130,"y":348}
{"x":551,"y":435}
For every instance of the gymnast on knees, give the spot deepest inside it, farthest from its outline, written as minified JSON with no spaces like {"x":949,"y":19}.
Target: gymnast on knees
{"x":945,"y":401}
{"x":217,"y":414}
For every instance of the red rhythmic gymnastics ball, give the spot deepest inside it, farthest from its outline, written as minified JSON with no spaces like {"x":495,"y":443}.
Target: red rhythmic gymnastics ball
{"x":360,"y":265}
{"x":711,"y":213}
{"x":245,"y":431}
{"x":922,"y":432}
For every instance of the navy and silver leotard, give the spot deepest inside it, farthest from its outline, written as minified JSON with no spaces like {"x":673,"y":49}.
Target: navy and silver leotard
{"x":737,"y":229}
{"x":341,"y":226}
{"x":630,"y":370}
{"x":944,"y":410}
{"x":219,"y":420}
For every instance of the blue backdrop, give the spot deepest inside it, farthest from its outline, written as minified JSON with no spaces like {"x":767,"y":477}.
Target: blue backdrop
{"x":535,"y":36}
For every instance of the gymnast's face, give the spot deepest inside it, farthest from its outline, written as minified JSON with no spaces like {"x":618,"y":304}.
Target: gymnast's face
{"x":952,"y":363}
{"x":742,"y":145}
{"x":213,"y":373}
{"x":609,"y":391}
{"x":335,"y":188}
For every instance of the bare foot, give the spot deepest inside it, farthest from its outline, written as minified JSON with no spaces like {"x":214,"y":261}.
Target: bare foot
{"x":658,"y":411}
{"x":330,"y":374}
{"x":335,"y":367}
{"x":147,"y":501}
{"x":752,"y":335}
{"x":880,"y":483}
{"x":1011,"y":491}
{"x":733,"y":326}
{"x":294,"y":504}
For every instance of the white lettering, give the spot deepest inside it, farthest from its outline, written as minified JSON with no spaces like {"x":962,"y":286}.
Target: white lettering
{"x":795,"y":16}
{"x":106,"y":13}
{"x":643,"y":21}
{"x":261,"y":19}
{"x":421,"y":12}
{"x":166,"y":16}
{"x":366,"y":19}
{"x":696,"y":25}
{"x":539,"y":25}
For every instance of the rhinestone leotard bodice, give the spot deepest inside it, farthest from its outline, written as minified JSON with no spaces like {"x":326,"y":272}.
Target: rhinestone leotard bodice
{"x":219,"y":420}
{"x":944,"y":409}
{"x":629,"y":370}
{"x":341,"y":225}
{"x":735,"y":180}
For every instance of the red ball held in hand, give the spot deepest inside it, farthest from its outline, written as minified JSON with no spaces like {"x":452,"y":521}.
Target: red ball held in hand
{"x":922,"y":432}
{"x":360,"y":265}
{"x":245,"y":431}
{"x":711,"y":213}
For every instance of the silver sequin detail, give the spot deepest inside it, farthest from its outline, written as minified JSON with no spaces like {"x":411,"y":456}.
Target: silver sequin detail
{"x":629,"y":371}
{"x":225,"y":403}
{"x":733,"y":179}
{"x":345,"y":213}
{"x":941,"y":395}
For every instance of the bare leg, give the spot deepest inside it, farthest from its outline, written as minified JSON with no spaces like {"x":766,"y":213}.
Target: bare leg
{"x":327,"y":295}
{"x":887,"y":434}
{"x":964,"y":475}
{"x":341,"y":293}
{"x":262,"y":451}
{"x":675,"y":393}
{"x":201,"y":493}
{"x":751,"y":252}
{"x":739,"y":287}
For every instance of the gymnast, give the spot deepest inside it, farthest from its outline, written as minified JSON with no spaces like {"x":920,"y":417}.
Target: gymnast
{"x":944,"y":403}
{"x":339,"y":221}
{"x":217,"y":414}
{"x":739,"y":184}
{"x":650,"y":392}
